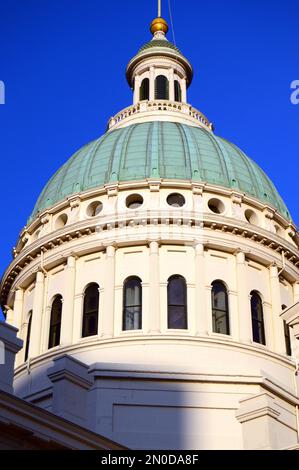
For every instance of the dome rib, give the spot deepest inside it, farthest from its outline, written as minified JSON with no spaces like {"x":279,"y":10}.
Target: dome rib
{"x":159,"y":149}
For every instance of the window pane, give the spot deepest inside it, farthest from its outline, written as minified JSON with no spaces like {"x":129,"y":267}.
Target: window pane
{"x":287,"y":338}
{"x":177,"y":91}
{"x":219,"y":299}
{"x":176,"y":291}
{"x":91,"y":311}
{"x":177,"y":303}
{"x":55,"y":322}
{"x":144,"y":89}
{"x":133,"y":318}
{"x":220,"y":313}
{"x":257,"y":318}
{"x":132,"y":309}
{"x":28,"y":337}
{"x":177,"y":317}
{"x":161,"y":89}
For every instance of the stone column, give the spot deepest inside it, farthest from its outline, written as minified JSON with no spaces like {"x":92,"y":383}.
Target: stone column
{"x":108,"y":313}
{"x":171,"y":84}
{"x":208,"y":302}
{"x":9,"y":316}
{"x":18,"y":309}
{"x":37,"y":314}
{"x":184,"y":90}
{"x":201,"y":320}
{"x":154,"y":288}
{"x":245,"y":326}
{"x":277,"y":322}
{"x":233,"y":308}
{"x":296,"y":292}
{"x":68,"y":302}
{"x":152,"y":84}
{"x":78,"y":316}
{"x":136,"y":89}
{"x":268,"y":323}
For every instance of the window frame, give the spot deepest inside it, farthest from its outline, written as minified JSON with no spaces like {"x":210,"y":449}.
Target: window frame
{"x":92,"y":313}
{"x":256,"y":322}
{"x":184,"y":304}
{"x":137,"y":306}
{"x":55,"y":326}
{"x":161,"y":89}
{"x":225,"y":311}
{"x":28,"y":335}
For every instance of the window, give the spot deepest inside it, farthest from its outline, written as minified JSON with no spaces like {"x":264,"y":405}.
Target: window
{"x":216,"y":206}
{"x":144,"y":89}
{"x":177,"y":91}
{"x":94,"y":209}
{"x":257,"y":318}
{"x":55,"y":322}
{"x":90,"y":311}
{"x":28,"y":336}
{"x":176,"y":200}
{"x":177,"y":303}
{"x":134,"y":201}
{"x":132,"y":304}
{"x":161,"y":88}
{"x":287,"y":336}
{"x":220,"y":312}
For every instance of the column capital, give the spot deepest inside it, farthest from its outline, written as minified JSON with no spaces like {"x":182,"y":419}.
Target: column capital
{"x":199,"y":248}
{"x":110,"y":250}
{"x":240,"y":255}
{"x":71,"y":260}
{"x":19,"y":292}
{"x":154,"y":246}
{"x":40,"y":276}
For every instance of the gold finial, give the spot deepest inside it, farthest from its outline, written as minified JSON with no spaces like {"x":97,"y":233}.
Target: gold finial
{"x":159,"y":24}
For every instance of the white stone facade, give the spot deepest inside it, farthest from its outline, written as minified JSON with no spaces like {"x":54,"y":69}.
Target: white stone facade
{"x":157,"y":387}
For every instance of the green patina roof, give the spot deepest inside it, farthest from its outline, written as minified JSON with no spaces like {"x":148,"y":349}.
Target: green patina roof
{"x":159,"y":149}
{"x":159,"y":43}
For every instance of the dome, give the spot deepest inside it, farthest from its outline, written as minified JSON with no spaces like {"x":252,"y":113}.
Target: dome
{"x":165,"y":150}
{"x":159,"y":43}
{"x":159,"y":47}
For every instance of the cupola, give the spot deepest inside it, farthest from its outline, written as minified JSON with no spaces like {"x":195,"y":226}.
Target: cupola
{"x":159,"y":71}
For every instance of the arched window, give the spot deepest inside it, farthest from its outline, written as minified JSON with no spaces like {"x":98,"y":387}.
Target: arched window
{"x":257,"y":318}
{"x":90,"y":311}
{"x":28,"y":336}
{"x":55,"y":322}
{"x":220,"y":311}
{"x":177,"y":91}
{"x":177,"y":303}
{"x":144,"y":89}
{"x":287,"y":336}
{"x":161,"y":88}
{"x":132,"y":304}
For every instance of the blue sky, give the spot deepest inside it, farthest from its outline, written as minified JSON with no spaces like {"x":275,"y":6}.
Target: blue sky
{"x":63,"y":63}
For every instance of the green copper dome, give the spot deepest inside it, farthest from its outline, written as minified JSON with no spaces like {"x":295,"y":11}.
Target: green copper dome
{"x":159,"y":43}
{"x":159,"y":149}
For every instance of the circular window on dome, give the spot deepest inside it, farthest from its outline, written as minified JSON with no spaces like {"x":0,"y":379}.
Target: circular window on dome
{"x":216,"y":206}
{"x":61,"y":221}
{"x":94,"y":209}
{"x":251,"y":217}
{"x":176,"y":200}
{"x":134,"y":201}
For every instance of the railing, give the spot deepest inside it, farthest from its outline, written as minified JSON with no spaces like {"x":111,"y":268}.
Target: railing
{"x":159,"y":105}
